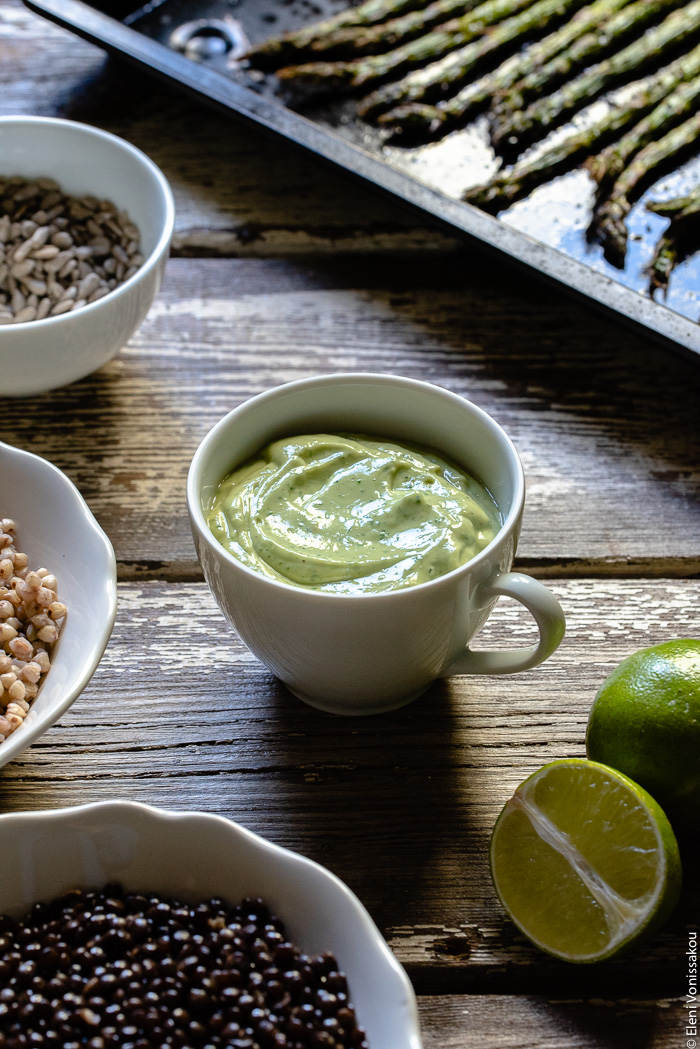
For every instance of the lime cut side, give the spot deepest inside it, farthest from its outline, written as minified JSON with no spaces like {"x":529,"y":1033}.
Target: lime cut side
{"x":584,"y":860}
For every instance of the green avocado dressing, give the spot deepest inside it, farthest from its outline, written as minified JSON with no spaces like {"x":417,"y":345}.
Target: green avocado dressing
{"x":351,"y":514}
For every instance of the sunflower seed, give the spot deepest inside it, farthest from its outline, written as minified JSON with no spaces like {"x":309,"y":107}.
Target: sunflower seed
{"x":59,"y":252}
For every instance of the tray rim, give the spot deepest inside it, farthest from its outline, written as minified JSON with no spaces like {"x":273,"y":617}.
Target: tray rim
{"x":459,"y":218}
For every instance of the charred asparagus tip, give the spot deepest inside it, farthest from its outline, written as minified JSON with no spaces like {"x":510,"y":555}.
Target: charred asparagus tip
{"x":611,"y":231}
{"x":307,"y":80}
{"x":596,"y":168}
{"x":413,"y":120}
{"x":492,"y":196}
{"x":659,"y":272}
{"x":678,"y":207}
{"x":659,"y":207}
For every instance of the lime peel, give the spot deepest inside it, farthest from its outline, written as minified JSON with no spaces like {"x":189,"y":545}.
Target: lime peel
{"x":645,"y":722}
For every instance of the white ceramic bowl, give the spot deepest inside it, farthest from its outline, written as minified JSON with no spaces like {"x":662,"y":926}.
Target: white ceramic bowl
{"x":195,"y":856}
{"x":57,"y":531}
{"x":41,"y":355}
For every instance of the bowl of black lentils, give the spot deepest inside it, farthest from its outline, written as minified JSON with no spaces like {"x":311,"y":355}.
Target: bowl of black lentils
{"x":86,"y":221}
{"x":128,"y":926}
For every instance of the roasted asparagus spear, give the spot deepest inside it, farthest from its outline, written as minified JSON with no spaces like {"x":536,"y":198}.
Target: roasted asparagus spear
{"x":643,"y":95}
{"x":369,"y":40}
{"x":679,"y":240}
{"x":609,"y":164}
{"x":541,"y":116}
{"x":422,"y":120}
{"x":608,"y":225}
{"x":441,"y":77}
{"x":278,"y":50}
{"x":663,"y":263}
{"x":325,"y":77}
{"x":587,"y":49}
{"x":678,"y":208}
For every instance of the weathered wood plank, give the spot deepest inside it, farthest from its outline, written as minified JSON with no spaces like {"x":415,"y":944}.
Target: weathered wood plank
{"x":477,"y":1022}
{"x":237,"y":190}
{"x":606,"y":425}
{"x":401,"y":806}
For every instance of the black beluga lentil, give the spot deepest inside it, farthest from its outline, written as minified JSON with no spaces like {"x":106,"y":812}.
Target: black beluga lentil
{"x":110,"y":969}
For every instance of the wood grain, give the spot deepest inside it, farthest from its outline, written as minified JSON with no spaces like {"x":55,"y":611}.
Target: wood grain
{"x":179,"y":714}
{"x":509,"y":1022}
{"x":606,"y":426}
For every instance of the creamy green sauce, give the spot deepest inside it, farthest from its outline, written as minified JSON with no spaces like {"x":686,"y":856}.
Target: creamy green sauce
{"x":350,"y":514}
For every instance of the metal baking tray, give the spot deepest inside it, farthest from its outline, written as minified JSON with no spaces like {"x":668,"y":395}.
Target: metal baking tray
{"x":546,"y":231}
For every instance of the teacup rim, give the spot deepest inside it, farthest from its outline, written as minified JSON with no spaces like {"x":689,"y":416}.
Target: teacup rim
{"x":194,"y":485}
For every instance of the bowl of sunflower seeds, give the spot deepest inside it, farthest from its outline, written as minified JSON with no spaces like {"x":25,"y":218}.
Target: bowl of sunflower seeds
{"x":86,"y":221}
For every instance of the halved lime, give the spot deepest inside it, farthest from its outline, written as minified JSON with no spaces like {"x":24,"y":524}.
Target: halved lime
{"x":584,"y":860}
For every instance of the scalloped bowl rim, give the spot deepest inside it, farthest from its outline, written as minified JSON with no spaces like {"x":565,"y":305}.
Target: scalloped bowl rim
{"x":41,"y":718}
{"x":48,"y":851}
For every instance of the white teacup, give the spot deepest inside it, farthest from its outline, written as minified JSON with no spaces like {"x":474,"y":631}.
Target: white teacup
{"x":368,"y":653}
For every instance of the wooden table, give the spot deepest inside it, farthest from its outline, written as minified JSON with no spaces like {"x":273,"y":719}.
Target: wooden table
{"x":283,"y":269}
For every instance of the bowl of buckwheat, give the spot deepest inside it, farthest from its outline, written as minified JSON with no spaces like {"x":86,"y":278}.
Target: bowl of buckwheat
{"x":86,"y":221}
{"x":57,"y":597}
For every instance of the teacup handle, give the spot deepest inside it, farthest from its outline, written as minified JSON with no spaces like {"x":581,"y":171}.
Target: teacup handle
{"x":547,"y":613}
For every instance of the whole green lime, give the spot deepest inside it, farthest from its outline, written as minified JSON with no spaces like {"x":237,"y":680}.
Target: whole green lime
{"x":645,"y":722}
